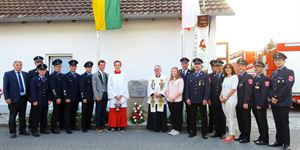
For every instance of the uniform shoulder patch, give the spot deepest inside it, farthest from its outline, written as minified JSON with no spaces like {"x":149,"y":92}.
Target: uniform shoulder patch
{"x":267,"y":83}
{"x":291,"y":78}
{"x":250,"y":81}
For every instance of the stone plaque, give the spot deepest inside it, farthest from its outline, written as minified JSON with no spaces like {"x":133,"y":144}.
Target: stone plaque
{"x":137,"y":88}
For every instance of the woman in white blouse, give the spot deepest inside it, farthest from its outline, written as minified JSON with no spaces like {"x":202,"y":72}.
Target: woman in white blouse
{"x":228,"y":98}
{"x":174,"y":90}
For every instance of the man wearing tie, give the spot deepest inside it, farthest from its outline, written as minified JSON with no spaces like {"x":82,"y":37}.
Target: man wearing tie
{"x":39,"y":92}
{"x":15,"y":85}
{"x":72,"y":96}
{"x":99,"y":83}
{"x":184,"y":73}
{"x":197,"y":94}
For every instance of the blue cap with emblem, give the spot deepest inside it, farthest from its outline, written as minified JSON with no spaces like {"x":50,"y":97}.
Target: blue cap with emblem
{"x":88,"y":64}
{"x":197,"y":61}
{"x":184,"y":60}
{"x":38,"y":58}
{"x":259,"y":63}
{"x":57,"y":62}
{"x":242,"y":61}
{"x":212,"y":62}
{"x":218,"y":62}
{"x":279,"y":55}
{"x":42,"y":67}
{"x":73,"y":62}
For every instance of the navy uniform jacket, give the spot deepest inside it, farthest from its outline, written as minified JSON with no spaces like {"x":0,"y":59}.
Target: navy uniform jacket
{"x":86,"y":87}
{"x":39,"y":90}
{"x":184,"y":77}
{"x":245,"y":89}
{"x":56,"y":85}
{"x":282,"y":82}
{"x":11,"y":89}
{"x":216,"y":87}
{"x":261,"y":91}
{"x":34,"y":72}
{"x":71,"y":86}
{"x":198,"y":87}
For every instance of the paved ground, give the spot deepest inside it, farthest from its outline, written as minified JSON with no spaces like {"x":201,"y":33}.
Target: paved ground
{"x":136,"y":139}
{"x":130,"y":140}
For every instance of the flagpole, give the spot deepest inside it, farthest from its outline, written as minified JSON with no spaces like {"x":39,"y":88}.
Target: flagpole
{"x":182,"y":42}
{"x":98,"y":46}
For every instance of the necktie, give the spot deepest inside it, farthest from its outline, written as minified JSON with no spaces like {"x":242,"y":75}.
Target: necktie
{"x":104,"y":78}
{"x":21,"y":84}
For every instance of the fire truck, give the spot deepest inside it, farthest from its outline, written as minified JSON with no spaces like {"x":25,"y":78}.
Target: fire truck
{"x":291,"y":50}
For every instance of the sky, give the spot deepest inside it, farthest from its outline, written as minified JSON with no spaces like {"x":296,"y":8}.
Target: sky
{"x":257,"y":21}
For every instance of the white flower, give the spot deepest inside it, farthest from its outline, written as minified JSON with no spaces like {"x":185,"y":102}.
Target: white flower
{"x":135,"y":103}
{"x":142,"y":117}
{"x":133,"y":117}
{"x":140,"y":105}
{"x":134,"y":108}
{"x":135,"y":120}
{"x":134,"y":111}
{"x":138,"y":108}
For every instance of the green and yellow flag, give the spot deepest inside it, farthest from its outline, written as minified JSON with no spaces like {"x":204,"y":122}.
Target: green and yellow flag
{"x":107,"y":14}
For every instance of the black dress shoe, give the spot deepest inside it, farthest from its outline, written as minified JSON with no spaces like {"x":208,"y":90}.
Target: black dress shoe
{"x":192,"y":135}
{"x":13,"y":135}
{"x":238,"y":139}
{"x":204,"y":136}
{"x":35,"y":134}
{"x":24,"y":133}
{"x":276,"y":144}
{"x":45,"y":131}
{"x":76,"y":129}
{"x":69,"y":131}
{"x":261,"y":142}
{"x":222,"y":136}
{"x":214,"y":135}
{"x":256,"y":140}
{"x":286,"y":147}
{"x":244,"y":141}
{"x":56,"y":131}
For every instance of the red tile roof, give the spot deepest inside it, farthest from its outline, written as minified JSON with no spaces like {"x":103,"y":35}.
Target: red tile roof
{"x":55,"y":10}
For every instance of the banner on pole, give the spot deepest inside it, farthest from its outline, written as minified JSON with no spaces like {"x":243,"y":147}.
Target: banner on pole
{"x":201,"y":36}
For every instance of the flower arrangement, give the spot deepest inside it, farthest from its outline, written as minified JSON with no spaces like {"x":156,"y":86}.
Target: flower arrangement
{"x":137,"y":114}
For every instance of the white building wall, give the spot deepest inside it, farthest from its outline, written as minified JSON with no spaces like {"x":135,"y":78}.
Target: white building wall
{"x":140,"y":44}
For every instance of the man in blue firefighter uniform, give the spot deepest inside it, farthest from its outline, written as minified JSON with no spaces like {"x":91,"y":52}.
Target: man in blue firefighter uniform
{"x":56,"y":90}
{"x":39,"y":97}
{"x":197,"y":94}
{"x":282,"y":81}
{"x":216,"y":115}
{"x":243,"y":108}
{"x":260,"y":102}
{"x":87,"y":97}
{"x":71,"y":96}
{"x":184,"y":73}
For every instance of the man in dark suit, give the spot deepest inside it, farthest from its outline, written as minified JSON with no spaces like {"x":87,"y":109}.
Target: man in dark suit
{"x":71,"y":96}
{"x":216,"y":115}
{"x":282,"y":82}
{"x":260,"y":102}
{"x":184,"y":73}
{"x":15,"y":90}
{"x":243,"y":108}
{"x":197,"y":94}
{"x":86,"y":93}
{"x":56,"y":88}
{"x":39,"y":92}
